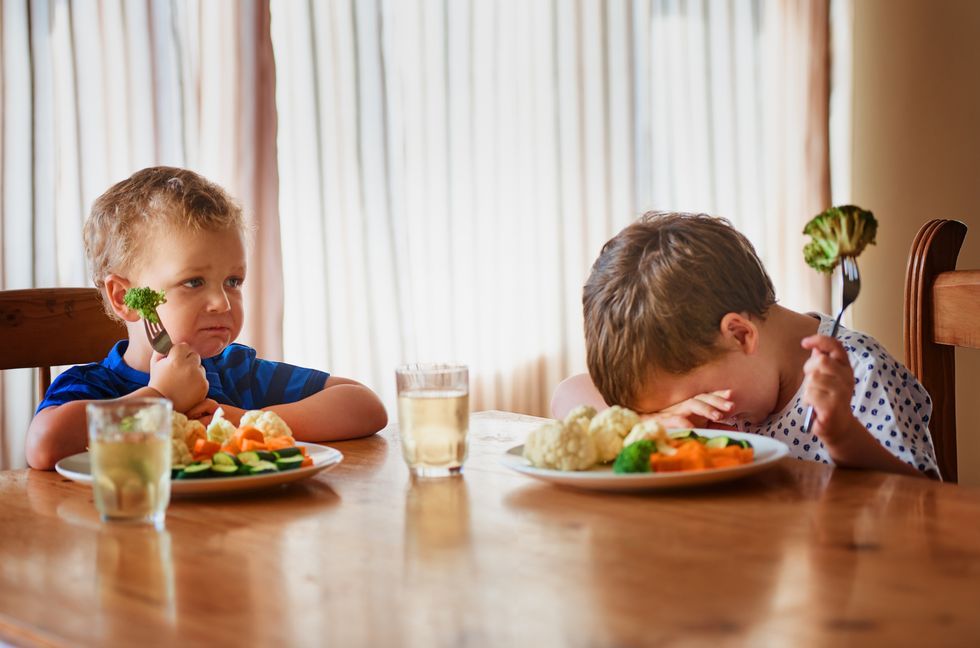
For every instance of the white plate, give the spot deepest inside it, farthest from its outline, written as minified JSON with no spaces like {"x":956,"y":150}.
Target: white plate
{"x":767,"y":452}
{"x":79,"y":468}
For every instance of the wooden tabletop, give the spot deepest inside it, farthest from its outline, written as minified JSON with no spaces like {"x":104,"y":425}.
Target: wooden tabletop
{"x":800,"y":554}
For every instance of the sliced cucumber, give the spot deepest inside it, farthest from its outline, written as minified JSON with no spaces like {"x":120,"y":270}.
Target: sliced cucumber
{"x":259,"y":467}
{"x":224,"y":470}
{"x":743,"y":443}
{"x":196,"y":470}
{"x":248,"y":457}
{"x":717,"y":442}
{"x":291,"y":451}
{"x":175,"y":470}
{"x":265,"y":455}
{"x":682,"y":434}
{"x":225,"y":459}
{"x":288,"y":463}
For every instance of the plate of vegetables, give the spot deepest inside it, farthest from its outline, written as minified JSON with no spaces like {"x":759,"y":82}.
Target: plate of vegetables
{"x":615,"y":451}
{"x":221,"y":458}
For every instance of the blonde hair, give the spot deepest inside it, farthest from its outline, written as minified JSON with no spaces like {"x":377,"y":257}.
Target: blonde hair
{"x":656,"y":296}
{"x":119,"y":230}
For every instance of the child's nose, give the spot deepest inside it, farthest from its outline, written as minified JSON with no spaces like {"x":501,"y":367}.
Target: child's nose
{"x":219,"y":303}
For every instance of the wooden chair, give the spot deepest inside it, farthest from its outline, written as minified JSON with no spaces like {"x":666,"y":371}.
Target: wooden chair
{"x":49,"y":327}
{"x":942,"y":312}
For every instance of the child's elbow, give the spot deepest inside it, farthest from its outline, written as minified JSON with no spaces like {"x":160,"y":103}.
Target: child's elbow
{"x":39,"y":454}
{"x":376,"y":419}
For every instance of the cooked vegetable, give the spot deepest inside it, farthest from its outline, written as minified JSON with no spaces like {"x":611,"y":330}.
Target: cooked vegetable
{"x":609,"y":427}
{"x":635,"y":457}
{"x":145,"y":302}
{"x":582,"y":411}
{"x":838,"y":232}
{"x":220,"y":429}
{"x":267,"y":422}
{"x":560,"y":446}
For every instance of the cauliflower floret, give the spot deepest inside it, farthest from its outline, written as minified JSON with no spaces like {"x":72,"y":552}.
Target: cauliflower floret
{"x":560,"y":446}
{"x":609,"y":427}
{"x":268,"y":422}
{"x":186,"y":430}
{"x":180,"y":454}
{"x":220,"y":428}
{"x":582,"y":411}
{"x":648,"y":429}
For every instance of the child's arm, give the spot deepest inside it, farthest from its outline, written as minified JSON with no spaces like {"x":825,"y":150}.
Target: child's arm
{"x":830,"y":386}
{"x":703,"y":410}
{"x":343,"y":409}
{"x":575,"y":391}
{"x":60,"y":430}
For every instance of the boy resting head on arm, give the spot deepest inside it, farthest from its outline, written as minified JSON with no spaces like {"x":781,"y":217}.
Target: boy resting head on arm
{"x":682,"y":324}
{"x":174,"y":231}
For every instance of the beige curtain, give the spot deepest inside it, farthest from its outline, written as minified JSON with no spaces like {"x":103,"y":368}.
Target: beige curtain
{"x":96,"y":89}
{"x":450,"y":170}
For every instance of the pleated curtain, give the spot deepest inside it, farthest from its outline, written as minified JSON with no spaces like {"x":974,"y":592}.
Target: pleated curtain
{"x":94,"y":90}
{"x":449,"y":170}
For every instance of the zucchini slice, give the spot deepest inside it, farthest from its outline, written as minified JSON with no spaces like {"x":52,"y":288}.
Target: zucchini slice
{"x":288,"y":463}
{"x":224,"y":470}
{"x":720,"y":441}
{"x":196,"y":470}
{"x":259,"y":467}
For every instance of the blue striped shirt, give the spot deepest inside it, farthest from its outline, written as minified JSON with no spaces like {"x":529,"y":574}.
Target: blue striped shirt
{"x":235,"y":377}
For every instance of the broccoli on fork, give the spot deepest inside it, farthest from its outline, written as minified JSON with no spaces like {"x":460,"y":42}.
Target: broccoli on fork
{"x":145,"y":301}
{"x":838,"y":232}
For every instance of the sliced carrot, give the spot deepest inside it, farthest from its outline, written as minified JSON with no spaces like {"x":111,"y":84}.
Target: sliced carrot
{"x":307,"y":462}
{"x":232,"y":446}
{"x":248,"y":445}
{"x":252,"y":433}
{"x":203,"y":446}
{"x":197,"y":434}
{"x":278,"y":443}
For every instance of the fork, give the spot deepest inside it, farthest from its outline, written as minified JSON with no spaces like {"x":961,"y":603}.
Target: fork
{"x":158,"y":336}
{"x":850,"y":287}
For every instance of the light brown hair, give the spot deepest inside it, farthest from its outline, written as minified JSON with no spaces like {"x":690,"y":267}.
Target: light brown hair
{"x":119,"y":231}
{"x":656,"y":296}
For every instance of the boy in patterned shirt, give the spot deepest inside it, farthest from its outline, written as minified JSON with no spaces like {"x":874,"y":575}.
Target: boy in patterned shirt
{"x":171,"y":229}
{"x":682,"y":325}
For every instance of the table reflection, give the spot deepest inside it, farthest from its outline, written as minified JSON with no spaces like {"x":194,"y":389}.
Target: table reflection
{"x":136,"y":562}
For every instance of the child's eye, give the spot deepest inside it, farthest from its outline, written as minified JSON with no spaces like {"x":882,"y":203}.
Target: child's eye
{"x":234,"y":282}
{"x":196,"y":282}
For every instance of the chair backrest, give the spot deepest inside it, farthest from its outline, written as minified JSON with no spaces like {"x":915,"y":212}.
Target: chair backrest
{"x":48,"y":327}
{"x":942,"y":311}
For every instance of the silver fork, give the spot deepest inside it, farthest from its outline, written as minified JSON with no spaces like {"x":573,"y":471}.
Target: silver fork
{"x":850,"y":287}
{"x":158,"y":336}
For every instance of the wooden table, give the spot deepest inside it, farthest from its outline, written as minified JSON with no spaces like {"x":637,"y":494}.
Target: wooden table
{"x":798,"y":555}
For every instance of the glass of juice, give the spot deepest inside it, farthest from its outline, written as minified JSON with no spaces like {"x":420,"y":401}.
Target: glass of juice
{"x":433,"y":417}
{"x":129,"y":446}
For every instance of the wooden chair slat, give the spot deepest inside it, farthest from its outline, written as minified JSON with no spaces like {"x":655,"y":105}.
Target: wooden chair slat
{"x":941,"y":312}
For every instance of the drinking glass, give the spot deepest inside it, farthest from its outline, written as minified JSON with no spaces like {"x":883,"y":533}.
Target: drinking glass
{"x":129,"y":445}
{"x":433,"y":417}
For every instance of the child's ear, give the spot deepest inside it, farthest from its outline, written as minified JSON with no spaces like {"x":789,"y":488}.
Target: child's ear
{"x":115,"y":289}
{"x":740,"y":332}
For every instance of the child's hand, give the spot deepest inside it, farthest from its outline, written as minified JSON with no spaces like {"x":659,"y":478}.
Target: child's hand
{"x":203,"y":411}
{"x":829,"y":387}
{"x":179,"y":376}
{"x":697,"y":411}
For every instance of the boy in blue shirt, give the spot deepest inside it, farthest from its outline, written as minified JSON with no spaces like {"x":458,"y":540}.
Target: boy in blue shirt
{"x":172,"y":230}
{"x":682,"y":325}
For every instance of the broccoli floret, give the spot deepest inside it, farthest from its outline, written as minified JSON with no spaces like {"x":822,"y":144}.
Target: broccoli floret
{"x":838,"y":232}
{"x":145,"y":300}
{"x":635,"y":457}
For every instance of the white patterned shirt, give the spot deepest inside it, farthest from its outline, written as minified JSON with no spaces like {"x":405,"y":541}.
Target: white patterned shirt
{"x":887,"y":400}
